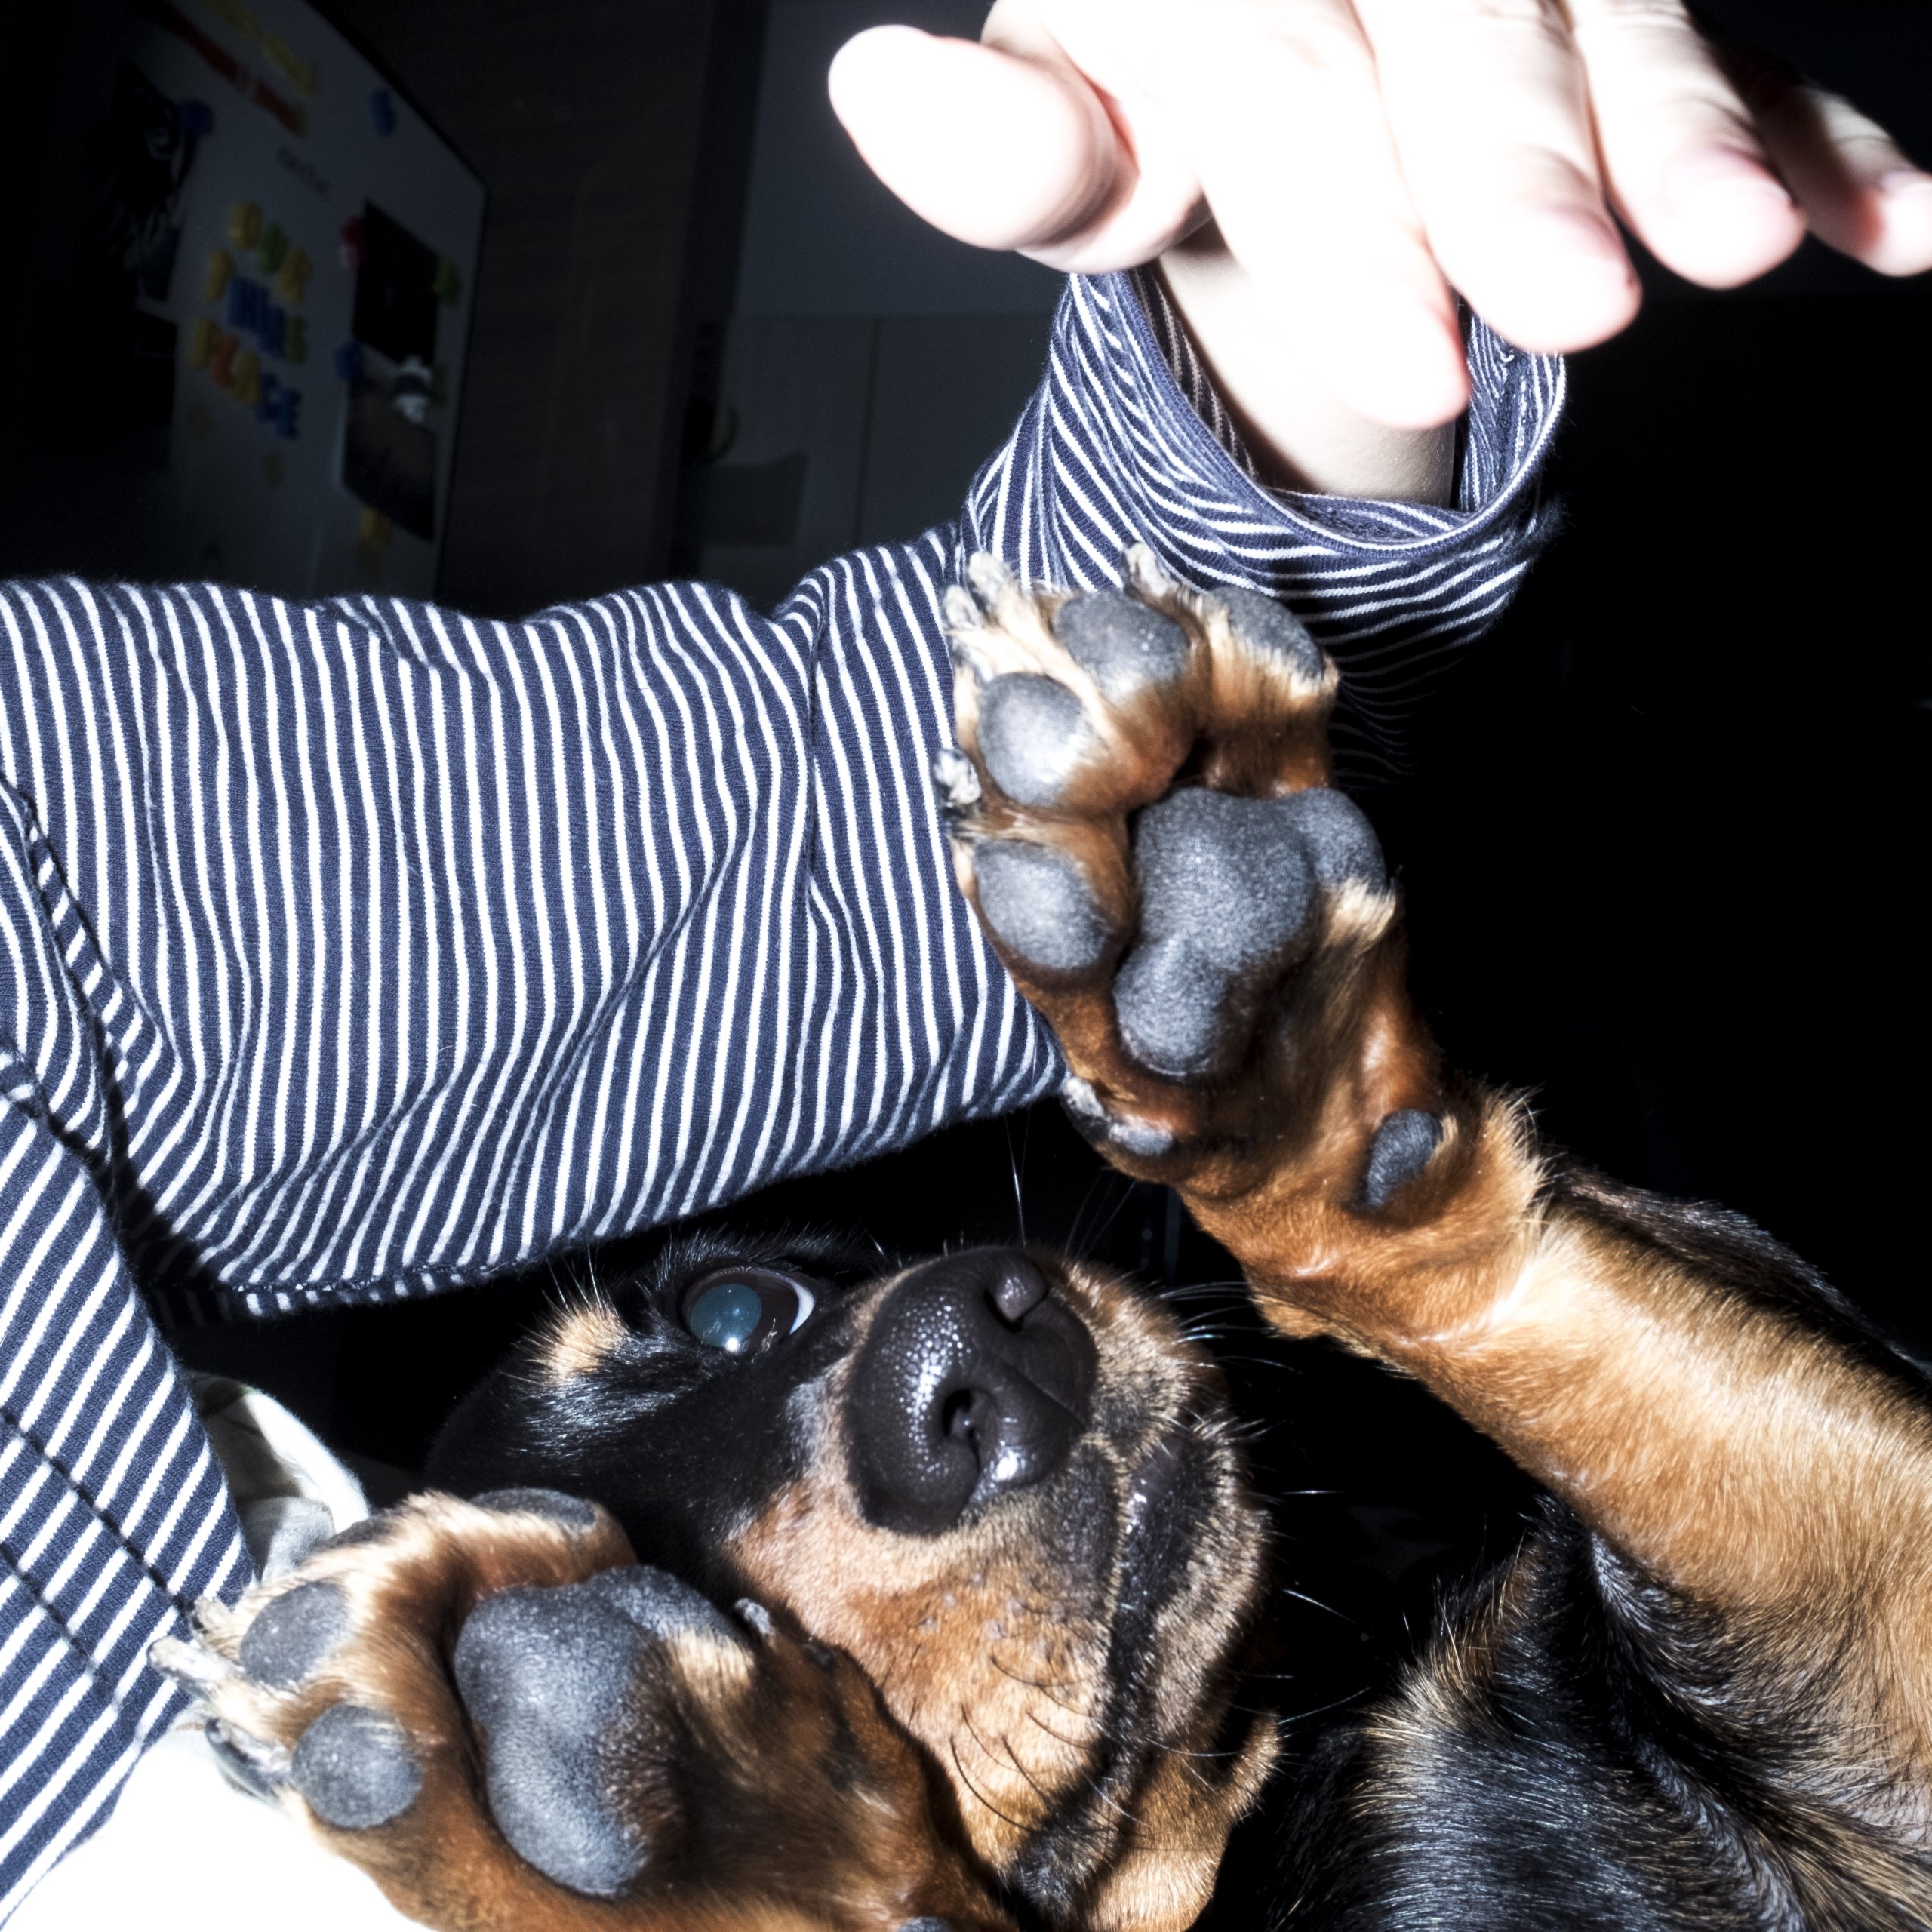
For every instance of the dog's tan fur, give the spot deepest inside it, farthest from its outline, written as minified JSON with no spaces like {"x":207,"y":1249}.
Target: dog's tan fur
{"x":993,"y":1656}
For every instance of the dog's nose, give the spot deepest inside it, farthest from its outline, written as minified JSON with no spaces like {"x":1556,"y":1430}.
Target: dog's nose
{"x":975,"y":1378}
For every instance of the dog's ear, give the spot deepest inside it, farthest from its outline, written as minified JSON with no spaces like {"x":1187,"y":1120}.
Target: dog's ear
{"x":1171,"y":1852}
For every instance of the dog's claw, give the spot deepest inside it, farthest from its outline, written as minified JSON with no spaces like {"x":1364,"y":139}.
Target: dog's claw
{"x":252,"y":1764}
{"x":192,"y":1665}
{"x":988,"y":576}
{"x":954,"y":778}
{"x":1142,"y":1139}
{"x":957,"y":606}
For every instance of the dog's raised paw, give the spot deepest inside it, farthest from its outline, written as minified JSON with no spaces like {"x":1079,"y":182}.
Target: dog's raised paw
{"x":1141,"y":812}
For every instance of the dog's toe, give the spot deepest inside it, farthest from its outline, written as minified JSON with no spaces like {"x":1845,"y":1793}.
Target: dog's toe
{"x":1272,"y":630}
{"x":1034,"y":737}
{"x":294,"y":1634}
{"x":1403,"y":1145}
{"x":356,"y":1768}
{"x":1037,"y":903}
{"x":1125,"y":646}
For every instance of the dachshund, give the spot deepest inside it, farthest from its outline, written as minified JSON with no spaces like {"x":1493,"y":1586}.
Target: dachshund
{"x":768,"y":1587}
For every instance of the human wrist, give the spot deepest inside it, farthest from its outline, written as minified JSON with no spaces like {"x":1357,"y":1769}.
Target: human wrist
{"x":1300,"y":435}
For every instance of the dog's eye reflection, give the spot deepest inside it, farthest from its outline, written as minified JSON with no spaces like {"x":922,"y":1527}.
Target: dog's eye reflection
{"x":743,"y":1310}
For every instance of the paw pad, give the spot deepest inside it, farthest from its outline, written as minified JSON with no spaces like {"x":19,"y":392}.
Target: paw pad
{"x":1033,"y":736}
{"x":1123,"y":646}
{"x":547,"y":1675}
{"x":1227,"y":884}
{"x":1035,"y":899}
{"x":294,"y":1634}
{"x":1403,"y":1145}
{"x":568,"y":1512}
{"x":1265,"y":626}
{"x":356,"y":1767}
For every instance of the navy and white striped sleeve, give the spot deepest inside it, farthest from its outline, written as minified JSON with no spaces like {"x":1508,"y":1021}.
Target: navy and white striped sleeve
{"x":1126,"y":437}
{"x":355,"y":949}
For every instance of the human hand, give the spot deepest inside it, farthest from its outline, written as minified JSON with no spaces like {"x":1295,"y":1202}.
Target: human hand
{"x":1362,"y":160}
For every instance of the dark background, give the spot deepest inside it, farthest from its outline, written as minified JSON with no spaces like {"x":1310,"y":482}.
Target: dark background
{"x":1666,"y":849}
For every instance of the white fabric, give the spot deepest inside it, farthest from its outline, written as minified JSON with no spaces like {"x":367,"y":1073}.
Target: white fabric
{"x":186,"y":1850}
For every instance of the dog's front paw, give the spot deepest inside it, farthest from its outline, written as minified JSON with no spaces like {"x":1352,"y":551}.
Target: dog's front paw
{"x":1141,"y":812}
{"x":491,"y":1708}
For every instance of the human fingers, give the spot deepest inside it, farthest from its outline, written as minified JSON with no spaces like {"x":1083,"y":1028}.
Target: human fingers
{"x":1490,"y":112}
{"x":1859,"y":190}
{"x":994,"y":149}
{"x":1280,"y":106}
{"x":1681,"y":146}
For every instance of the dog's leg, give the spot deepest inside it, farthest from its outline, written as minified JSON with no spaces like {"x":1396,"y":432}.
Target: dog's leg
{"x":1141,"y":816}
{"x":494,"y":1712}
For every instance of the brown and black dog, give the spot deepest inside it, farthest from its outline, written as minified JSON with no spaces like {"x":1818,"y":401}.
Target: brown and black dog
{"x":955,"y":1578}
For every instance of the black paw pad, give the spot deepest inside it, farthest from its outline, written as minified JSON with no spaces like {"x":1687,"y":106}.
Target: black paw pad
{"x":1227,"y":884}
{"x":1036,"y":900}
{"x":356,"y":1767}
{"x":293,"y":1635}
{"x":1265,"y":626}
{"x":1403,"y":1146}
{"x":1122,"y":645}
{"x":1341,"y":844}
{"x":547,"y":1675}
{"x":1225,"y":887}
{"x":569,"y":1512}
{"x":1033,"y":737}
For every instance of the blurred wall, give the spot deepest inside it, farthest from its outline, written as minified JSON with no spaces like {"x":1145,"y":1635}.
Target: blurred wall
{"x":613,"y":137}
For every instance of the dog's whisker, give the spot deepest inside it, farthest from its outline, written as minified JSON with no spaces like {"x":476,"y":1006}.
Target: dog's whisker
{"x":1013,"y":1757}
{"x":1046,"y":1691}
{"x":1040,"y":1723}
{"x":953,"y":1750}
{"x":1327,"y":1609}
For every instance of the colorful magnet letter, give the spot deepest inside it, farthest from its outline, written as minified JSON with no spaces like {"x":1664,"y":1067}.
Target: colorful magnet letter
{"x":350,"y":242}
{"x":372,"y":527}
{"x":248,"y":304}
{"x":203,"y":340}
{"x":221,"y":363}
{"x":247,"y":375}
{"x":295,"y":340}
{"x":221,"y":270}
{"x":292,"y":282}
{"x":244,"y":224}
{"x":272,"y":249}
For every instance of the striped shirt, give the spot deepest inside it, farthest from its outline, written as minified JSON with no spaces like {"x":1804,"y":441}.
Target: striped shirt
{"x":355,"y":949}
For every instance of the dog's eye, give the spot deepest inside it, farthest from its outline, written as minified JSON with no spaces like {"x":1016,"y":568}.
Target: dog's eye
{"x":740,"y":1310}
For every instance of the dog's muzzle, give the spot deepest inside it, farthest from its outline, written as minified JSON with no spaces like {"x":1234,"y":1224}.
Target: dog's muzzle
{"x":975,"y":1379}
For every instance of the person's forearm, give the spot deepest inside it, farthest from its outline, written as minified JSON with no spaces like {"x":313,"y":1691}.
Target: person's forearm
{"x":1301,"y":435}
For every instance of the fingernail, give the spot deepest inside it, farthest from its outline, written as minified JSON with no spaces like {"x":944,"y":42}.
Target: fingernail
{"x":1905,"y":181}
